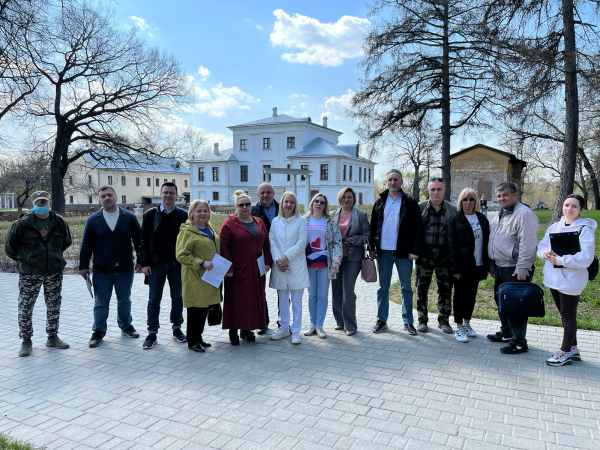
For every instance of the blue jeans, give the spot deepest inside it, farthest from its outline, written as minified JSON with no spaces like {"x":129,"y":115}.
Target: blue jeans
{"x":122,"y":280}
{"x":160,"y":273}
{"x":385,"y":265}
{"x":317,"y":294}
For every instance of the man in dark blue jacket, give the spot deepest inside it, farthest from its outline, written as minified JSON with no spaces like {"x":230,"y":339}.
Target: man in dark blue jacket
{"x":108,"y":236}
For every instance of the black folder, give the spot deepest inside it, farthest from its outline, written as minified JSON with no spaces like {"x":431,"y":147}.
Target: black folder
{"x":565,"y":243}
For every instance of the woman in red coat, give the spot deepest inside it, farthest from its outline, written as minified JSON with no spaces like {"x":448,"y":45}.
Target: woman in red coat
{"x":244,"y":239}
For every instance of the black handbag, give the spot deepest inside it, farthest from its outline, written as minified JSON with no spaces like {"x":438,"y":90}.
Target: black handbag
{"x":215,"y":315}
{"x":521,"y":299}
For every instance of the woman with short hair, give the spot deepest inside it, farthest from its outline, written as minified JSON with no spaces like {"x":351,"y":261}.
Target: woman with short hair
{"x":288,"y":240}
{"x":355,"y":230}
{"x":323,"y":259}
{"x":244,"y":239}
{"x":567,"y":275}
{"x":197,"y":245}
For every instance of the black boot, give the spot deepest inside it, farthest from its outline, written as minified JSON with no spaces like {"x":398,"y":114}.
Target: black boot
{"x":247,"y":335}
{"x":233,"y":336}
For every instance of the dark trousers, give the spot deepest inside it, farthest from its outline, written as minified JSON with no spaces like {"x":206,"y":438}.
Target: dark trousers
{"x":465,"y":293}
{"x":510,"y":325}
{"x":343,"y":302}
{"x":162,"y":272}
{"x":196,"y":318}
{"x":567,"y":307}
{"x":425,"y":268}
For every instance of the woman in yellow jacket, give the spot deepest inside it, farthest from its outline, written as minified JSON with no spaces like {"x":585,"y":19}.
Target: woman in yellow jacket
{"x":197,"y":244}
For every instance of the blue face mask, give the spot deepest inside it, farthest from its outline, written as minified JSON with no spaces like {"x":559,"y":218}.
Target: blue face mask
{"x":40,"y":209}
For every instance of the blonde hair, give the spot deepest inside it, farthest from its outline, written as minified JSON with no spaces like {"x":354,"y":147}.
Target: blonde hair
{"x":325,"y":210}
{"x":296,"y":209}
{"x":342,"y":192}
{"x":467,"y":192}
{"x":192,"y":210}
{"x":237,"y":195}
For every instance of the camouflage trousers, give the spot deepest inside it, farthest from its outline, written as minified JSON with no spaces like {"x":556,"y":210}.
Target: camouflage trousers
{"x":424,"y":274}
{"x":29,"y":289}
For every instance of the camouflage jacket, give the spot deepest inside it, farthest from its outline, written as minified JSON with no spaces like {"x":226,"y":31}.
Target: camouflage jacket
{"x":35,"y":255}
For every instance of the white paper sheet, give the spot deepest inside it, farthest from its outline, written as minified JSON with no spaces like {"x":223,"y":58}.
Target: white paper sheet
{"x":88,"y":283}
{"x":261,"y":265}
{"x":215,"y":276}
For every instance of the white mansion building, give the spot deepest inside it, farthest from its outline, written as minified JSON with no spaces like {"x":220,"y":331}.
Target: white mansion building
{"x":282,"y":142}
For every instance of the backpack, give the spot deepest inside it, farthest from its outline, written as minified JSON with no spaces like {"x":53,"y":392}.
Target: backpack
{"x":593,"y":267}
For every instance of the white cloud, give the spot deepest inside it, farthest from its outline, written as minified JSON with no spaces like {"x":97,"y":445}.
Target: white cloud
{"x":150,"y":35}
{"x":204,"y":73}
{"x":336,"y":106}
{"x":259,"y":27}
{"x":225,"y":142}
{"x":298,"y":95}
{"x":289,"y":112}
{"x":140,"y":23}
{"x":270,"y":86}
{"x":319,"y":43}
{"x":220,"y":99}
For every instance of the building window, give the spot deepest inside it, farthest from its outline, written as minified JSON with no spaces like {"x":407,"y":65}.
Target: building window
{"x":71,"y":181}
{"x":90,"y":180}
{"x":215,"y":196}
{"x":137,"y":181}
{"x":173,"y":181}
{"x":266,"y":143}
{"x":148,"y":182}
{"x":267,"y":176}
{"x":90,"y":199}
{"x":289,"y":176}
{"x":243,"y":173}
{"x":303,"y":167}
{"x":369,"y":175}
{"x":185,"y":183}
{"x":122,"y":181}
{"x":360,"y":174}
{"x":123,"y":199}
{"x":350,"y":174}
{"x":157,"y":182}
{"x":166,"y":181}
{"x":291,"y":142}
{"x":200,"y":173}
{"x":344,"y":173}
{"x":324,"y":172}
{"x":215,"y":171}
{"x":243,"y":144}
{"x":70,"y":199}
{"x":110,"y":180}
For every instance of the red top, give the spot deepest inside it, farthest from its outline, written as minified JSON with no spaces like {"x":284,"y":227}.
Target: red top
{"x":343,"y":224}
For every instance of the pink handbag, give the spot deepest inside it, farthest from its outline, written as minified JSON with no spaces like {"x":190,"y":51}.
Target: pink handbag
{"x":368,"y":271}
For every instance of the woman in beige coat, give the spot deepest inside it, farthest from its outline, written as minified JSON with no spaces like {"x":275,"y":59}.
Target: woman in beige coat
{"x":197,"y":244}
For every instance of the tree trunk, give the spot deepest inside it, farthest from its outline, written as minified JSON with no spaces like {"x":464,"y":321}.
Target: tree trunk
{"x":57,"y":171}
{"x":569,"y":156}
{"x":593,"y":179}
{"x":415,"y":187}
{"x":446,"y":107}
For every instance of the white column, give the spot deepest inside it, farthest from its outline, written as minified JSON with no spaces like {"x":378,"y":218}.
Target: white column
{"x":307,"y":193}
{"x":295,"y":185}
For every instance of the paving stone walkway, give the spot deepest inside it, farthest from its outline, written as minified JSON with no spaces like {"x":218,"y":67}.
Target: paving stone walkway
{"x":367,"y":391}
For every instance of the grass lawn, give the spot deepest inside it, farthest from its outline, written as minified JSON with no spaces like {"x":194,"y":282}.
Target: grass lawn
{"x":7,"y":443}
{"x":588,"y":312}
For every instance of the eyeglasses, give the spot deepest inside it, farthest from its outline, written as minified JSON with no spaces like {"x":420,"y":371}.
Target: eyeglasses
{"x":169,"y":193}
{"x":320,"y":202}
{"x":244,"y":205}
{"x":471,"y":199}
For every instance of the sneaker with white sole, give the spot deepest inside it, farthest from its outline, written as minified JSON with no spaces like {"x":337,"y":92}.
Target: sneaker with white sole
{"x":312,"y":328}
{"x":296,"y":338}
{"x":469,"y":331}
{"x":281,"y":333}
{"x":560,"y":358}
{"x":575,"y":354}
{"x":461,"y":335}
{"x":321,"y":333}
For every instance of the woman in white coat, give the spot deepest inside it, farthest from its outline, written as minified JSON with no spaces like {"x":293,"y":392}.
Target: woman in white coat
{"x":568,"y":281}
{"x":288,"y":240}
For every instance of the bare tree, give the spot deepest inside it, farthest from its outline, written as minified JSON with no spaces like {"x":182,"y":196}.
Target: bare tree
{"x":24,"y":175}
{"x":186,"y":143}
{"x":104,"y":89}
{"x":428,"y":56}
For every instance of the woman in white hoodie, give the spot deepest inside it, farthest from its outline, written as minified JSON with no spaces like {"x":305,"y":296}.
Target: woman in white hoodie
{"x":568,"y":281}
{"x":288,"y":240}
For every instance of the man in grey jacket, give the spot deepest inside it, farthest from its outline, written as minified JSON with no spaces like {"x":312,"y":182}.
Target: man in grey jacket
{"x":512,"y":251}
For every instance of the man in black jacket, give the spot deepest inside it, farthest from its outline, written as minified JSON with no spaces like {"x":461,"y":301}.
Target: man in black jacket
{"x":108,"y":236}
{"x":395,"y":235}
{"x":266,"y":209}
{"x":160,"y":227}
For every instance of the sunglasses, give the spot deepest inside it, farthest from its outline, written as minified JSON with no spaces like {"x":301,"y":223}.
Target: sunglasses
{"x":244,"y":205}
{"x":471,"y":199}
{"x":436,"y":180}
{"x":320,"y":202}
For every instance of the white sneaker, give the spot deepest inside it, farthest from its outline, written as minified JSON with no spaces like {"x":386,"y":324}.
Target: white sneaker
{"x":281,"y":333}
{"x":310,"y":330}
{"x":469,"y":331}
{"x":460,"y":334}
{"x":321,"y":333}
{"x":295,"y":338}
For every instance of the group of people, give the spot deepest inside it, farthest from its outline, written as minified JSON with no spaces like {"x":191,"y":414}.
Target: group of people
{"x":456,"y":242}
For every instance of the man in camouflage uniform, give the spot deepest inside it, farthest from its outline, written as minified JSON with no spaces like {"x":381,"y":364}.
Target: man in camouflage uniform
{"x":36,"y":242}
{"x":433,"y":256}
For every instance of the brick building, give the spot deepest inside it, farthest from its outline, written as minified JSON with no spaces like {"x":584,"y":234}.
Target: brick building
{"x":482,"y":168}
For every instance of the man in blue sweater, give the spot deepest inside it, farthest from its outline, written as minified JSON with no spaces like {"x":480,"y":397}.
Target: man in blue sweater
{"x":108,"y":236}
